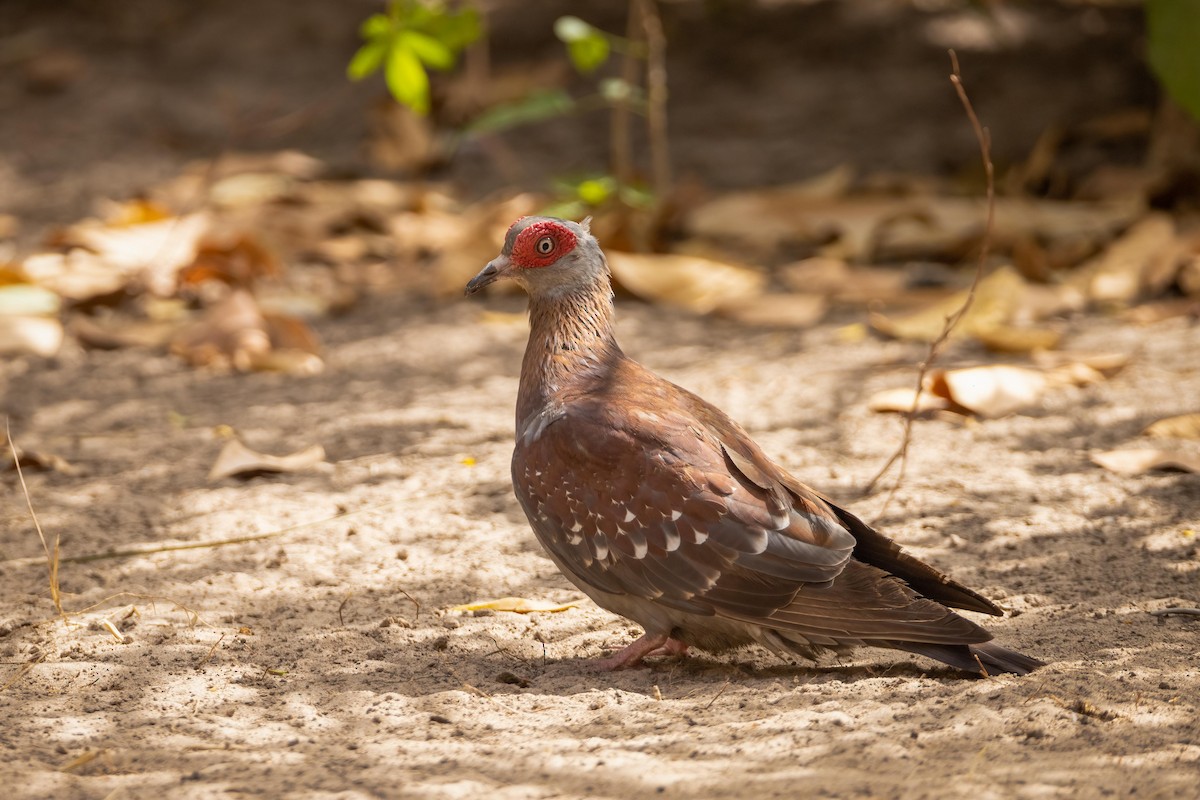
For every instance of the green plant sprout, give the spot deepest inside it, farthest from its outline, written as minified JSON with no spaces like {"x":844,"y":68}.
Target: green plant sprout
{"x":409,"y":39}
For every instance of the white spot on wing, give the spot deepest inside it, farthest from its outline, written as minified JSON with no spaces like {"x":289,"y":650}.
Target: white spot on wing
{"x":676,"y":515}
{"x":629,"y":516}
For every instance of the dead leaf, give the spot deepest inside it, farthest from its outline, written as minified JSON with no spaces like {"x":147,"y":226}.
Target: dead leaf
{"x":27,"y":299}
{"x":778,"y":310}
{"x":28,"y":335}
{"x":1009,"y":339}
{"x":1137,"y":462}
{"x":696,"y":284}
{"x":900,"y":401}
{"x":237,"y":333}
{"x":251,"y":189}
{"x":519,"y":605}
{"x":1185,"y":426}
{"x":996,"y":299}
{"x":239,"y":260}
{"x":1123,"y":271}
{"x":238,"y":461}
{"x":111,"y":333}
{"x":155,"y":251}
{"x":230,"y":334}
{"x":35,"y":460}
{"x":78,"y":275}
{"x":1107,"y":364}
{"x":990,"y":391}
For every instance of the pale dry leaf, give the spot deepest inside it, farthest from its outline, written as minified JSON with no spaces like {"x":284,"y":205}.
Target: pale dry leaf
{"x":996,"y":298}
{"x":1010,"y":339}
{"x":519,"y":605}
{"x":900,"y":401}
{"x":28,"y":299}
{"x":238,"y":461}
{"x":1184,"y":426}
{"x":990,"y":391}
{"x":251,"y":189}
{"x":793,"y":310}
{"x":1120,"y":273}
{"x":114,"y":332}
{"x":1107,"y":364}
{"x":30,"y":335}
{"x":78,"y":275}
{"x":155,"y":250}
{"x":695,"y":284}
{"x":1137,"y":462}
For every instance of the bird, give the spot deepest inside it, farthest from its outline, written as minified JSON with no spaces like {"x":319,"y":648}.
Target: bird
{"x":663,"y":510}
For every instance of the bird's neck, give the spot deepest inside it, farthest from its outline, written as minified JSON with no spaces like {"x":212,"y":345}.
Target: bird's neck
{"x":571,"y":344}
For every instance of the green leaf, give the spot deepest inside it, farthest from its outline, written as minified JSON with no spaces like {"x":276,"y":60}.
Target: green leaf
{"x":589,"y":53}
{"x":406,"y":78}
{"x":367,"y":60}
{"x":535,"y":107}
{"x":376,"y":26}
{"x":431,"y":52}
{"x":572,"y":29}
{"x":457,"y":31}
{"x":1173,"y":30}
{"x":595,"y":191}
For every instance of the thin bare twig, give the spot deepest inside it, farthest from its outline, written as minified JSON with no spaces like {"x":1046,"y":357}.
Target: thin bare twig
{"x":1171,"y":612}
{"x":133,"y":552}
{"x":935,"y":347}
{"x":656,"y":100}
{"x":52,"y":559}
{"x":620,"y":130}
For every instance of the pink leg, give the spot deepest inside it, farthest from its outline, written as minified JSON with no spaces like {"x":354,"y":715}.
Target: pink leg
{"x":648,"y":645}
{"x":672,"y":647}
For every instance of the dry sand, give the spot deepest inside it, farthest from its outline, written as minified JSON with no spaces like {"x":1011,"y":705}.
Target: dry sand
{"x":322,"y":662}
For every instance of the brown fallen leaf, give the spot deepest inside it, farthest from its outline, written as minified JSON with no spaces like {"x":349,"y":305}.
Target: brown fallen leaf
{"x":238,"y":461}
{"x":1184,"y":426}
{"x":115,"y":332}
{"x":35,"y":460}
{"x":793,"y":310}
{"x":990,"y":391}
{"x":696,"y":284}
{"x":1137,"y":462}
{"x":240,"y":260}
{"x":996,"y":298}
{"x":1009,"y":339}
{"x":1125,"y":269}
{"x":235,"y":333}
{"x":519,"y":605}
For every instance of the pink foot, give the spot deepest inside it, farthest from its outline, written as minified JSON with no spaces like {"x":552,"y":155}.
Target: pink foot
{"x":648,"y":645}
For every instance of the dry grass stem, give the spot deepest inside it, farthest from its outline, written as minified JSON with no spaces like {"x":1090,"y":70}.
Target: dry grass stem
{"x":53,"y":559}
{"x":152,"y":549}
{"x":935,"y":347}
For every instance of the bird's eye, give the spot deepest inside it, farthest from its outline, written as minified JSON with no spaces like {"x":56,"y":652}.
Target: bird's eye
{"x":544,"y":245}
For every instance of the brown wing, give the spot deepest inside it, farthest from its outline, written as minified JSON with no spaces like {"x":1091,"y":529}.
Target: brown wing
{"x":629,"y":513}
{"x":658,"y":509}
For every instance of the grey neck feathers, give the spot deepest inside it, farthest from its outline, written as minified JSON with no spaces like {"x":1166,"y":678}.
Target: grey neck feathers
{"x":571,"y":342}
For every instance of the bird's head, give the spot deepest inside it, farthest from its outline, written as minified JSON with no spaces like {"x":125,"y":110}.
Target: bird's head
{"x":546,"y":256}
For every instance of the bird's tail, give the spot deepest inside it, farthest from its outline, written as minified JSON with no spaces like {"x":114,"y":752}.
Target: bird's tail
{"x":986,"y":658}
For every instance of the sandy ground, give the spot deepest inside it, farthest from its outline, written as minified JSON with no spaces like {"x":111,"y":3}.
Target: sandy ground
{"x":322,"y":662}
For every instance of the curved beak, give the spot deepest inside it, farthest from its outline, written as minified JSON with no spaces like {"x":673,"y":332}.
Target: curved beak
{"x":496,"y":269}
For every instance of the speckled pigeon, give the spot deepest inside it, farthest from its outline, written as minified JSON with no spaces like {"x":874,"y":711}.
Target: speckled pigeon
{"x":662,"y":509}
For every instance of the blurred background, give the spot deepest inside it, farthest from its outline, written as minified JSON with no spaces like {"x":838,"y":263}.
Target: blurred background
{"x":766,"y":161}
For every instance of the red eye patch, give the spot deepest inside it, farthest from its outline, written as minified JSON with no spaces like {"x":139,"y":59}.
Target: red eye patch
{"x":541,"y":244}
